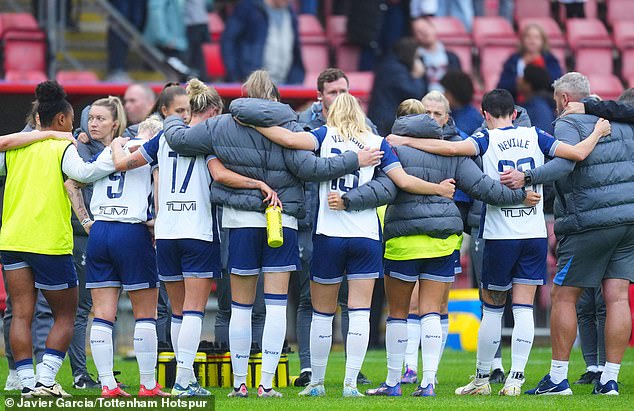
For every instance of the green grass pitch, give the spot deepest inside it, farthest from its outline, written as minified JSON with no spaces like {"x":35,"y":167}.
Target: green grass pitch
{"x":455,"y":369}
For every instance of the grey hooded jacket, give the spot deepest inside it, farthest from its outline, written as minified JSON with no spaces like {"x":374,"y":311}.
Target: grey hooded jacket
{"x":246,"y":152}
{"x":410,"y":214}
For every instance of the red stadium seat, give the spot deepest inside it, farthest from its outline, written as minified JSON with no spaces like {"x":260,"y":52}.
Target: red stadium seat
{"x":65,"y":77}
{"x":310,"y":30}
{"x":361,"y":80}
{"x":213,"y":61}
{"x":315,"y":57}
{"x":25,"y":76}
{"x":24,"y":50}
{"x":216,"y":26}
{"x":619,"y":10}
{"x":464,"y":54}
{"x":531,"y":8}
{"x":495,"y":31}
{"x":608,"y":87}
{"x":451,"y":31}
{"x":623,"y":33}
{"x":627,"y":67}
{"x":594,"y":61}
{"x":560,"y":54}
{"x":336,"y":30}
{"x":587,"y":33}
{"x":491,"y":62}
{"x":347,"y":57}
{"x":20,"y":21}
{"x":550,"y":26}
{"x":310,"y":80}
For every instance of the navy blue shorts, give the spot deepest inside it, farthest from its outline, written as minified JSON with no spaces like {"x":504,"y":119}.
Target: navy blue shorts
{"x":441,"y":269}
{"x":120,"y":255}
{"x":187,"y":258}
{"x":508,"y":262}
{"x":50,"y":272}
{"x":457,"y":265}
{"x":250,"y":254}
{"x":357,"y":257}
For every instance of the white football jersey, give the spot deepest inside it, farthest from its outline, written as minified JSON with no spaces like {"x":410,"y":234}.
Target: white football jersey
{"x":363,"y":223}
{"x":184,"y":189}
{"x":122,"y":196}
{"x":521,"y":148}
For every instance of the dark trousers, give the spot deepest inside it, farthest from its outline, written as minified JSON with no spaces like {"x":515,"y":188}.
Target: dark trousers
{"x":134,"y":12}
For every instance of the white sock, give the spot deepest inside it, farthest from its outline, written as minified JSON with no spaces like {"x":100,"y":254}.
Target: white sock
{"x":357,"y":345}
{"x":273,"y":336}
{"x":320,"y":343}
{"x":38,"y":371}
{"x":522,"y":338}
{"x":175,"y":329}
{"x":489,"y":337}
{"x":444,"y":325}
{"x":24,"y":369}
{"x":497,"y":361}
{"x":102,"y":351}
{"x":558,"y":371}
{"x":413,"y":342}
{"x":396,"y":343}
{"x":51,"y":363}
{"x":431,"y":342}
{"x":610,"y":373}
{"x":188,"y":342}
{"x":240,"y":341}
{"x":592,"y":368}
{"x":600,"y":368}
{"x":145,"y":345}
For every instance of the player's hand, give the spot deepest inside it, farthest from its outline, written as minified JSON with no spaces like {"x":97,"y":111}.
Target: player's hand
{"x":62,"y":135}
{"x":512,"y":178}
{"x":396,"y":141}
{"x":88,"y":226}
{"x":83,"y":138}
{"x":447,"y":188}
{"x":603,"y":127}
{"x":532,"y":198}
{"x":335,"y":202}
{"x":574,"y":107}
{"x":270,"y":196}
{"x":369,"y":157}
{"x":121,"y":141}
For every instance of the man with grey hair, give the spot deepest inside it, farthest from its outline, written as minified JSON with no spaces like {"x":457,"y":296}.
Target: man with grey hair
{"x":594,"y":200}
{"x":138,"y":101}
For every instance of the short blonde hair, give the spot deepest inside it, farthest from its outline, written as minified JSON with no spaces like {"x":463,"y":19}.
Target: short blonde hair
{"x":346,"y":116}
{"x":152,"y":125}
{"x":410,"y":106}
{"x":260,"y":85}
{"x":437,"y":97}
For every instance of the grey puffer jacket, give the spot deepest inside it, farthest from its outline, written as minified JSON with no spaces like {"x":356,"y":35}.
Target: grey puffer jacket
{"x":475,"y":213}
{"x":599,"y":192}
{"x":436,"y":216}
{"x":245,"y":151}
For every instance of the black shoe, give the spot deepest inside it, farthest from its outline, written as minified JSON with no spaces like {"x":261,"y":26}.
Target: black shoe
{"x":85,"y":382}
{"x":589,"y":377}
{"x":304,"y":379}
{"x":497,"y":376}
{"x":362,"y":379}
{"x":119,"y":383}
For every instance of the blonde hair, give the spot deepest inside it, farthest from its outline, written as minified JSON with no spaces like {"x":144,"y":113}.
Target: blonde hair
{"x":152,"y":125}
{"x":346,"y":116}
{"x":410,"y":106}
{"x":202,"y":97}
{"x":260,"y":85}
{"x":437,"y":97}
{"x":114,"y":105}
{"x":542,"y":34}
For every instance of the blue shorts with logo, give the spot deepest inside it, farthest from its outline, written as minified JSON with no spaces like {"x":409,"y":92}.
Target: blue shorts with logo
{"x":508,"y":262}
{"x":187,"y":258}
{"x":120,"y":255}
{"x":441,"y":269}
{"x":50,"y":272}
{"x":250,"y":254}
{"x":357,"y":258}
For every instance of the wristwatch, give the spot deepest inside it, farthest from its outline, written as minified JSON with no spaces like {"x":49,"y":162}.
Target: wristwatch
{"x":528,"y":179}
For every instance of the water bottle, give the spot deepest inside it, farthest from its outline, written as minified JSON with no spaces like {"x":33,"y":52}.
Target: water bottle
{"x":274,"y":233}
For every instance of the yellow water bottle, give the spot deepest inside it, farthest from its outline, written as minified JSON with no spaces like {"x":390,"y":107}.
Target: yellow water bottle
{"x":274,"y":233}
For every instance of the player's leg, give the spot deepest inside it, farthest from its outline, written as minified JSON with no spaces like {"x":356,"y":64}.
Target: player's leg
{"x":104,"y":302}
{"x":410,"y":376}
{"x":588,"y":336}
{"x":144,"y":303}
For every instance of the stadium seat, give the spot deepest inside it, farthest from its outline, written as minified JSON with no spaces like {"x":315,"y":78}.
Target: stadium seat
{"x":24,"y":50}
{"x":213,"y":61}
{"x":491,"y":62}
{"x":553,"y":32}
{"x":361,"y":80}
{"x":464,"y":54}
{"x":216,"y":26}
{"x":315,"y":57}
{"x":451,"y":31}
{"x":619,"y":10}
{"x":25,"y":76}
{"x":347,"y":57}
{"x":594,"y":61}
{"x":623,"y":34}
{"x":310,"y":30}
{"x":64,"y":77}
{"x":495,"y":31}
{"x":310,"y":80}
{"x":20,"y":21}
{"x":627,"y":66}
{"x":531,"y":8}
{"x":606,"y":86}
{"x":336,"y":30}
{"x":587,"y":33}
